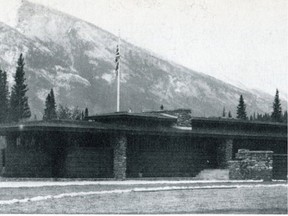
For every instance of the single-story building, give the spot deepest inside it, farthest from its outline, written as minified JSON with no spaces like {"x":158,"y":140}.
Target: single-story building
{"x":130,"y":145}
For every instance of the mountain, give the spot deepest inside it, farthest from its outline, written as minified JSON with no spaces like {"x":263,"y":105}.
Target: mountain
{"x":76,"y":58}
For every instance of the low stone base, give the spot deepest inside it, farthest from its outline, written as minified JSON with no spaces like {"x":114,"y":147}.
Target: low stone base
{"x":251,"y":165}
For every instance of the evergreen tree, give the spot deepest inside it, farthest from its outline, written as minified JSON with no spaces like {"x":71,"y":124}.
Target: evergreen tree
{"x":266,"y":117}
{"x":254,"y":116}
{"x":251,"y":118}
{"x":224,"y":112}
{"x":4,"y":97}
{"x":76,"y":114}
{"x":86,"y":112}
{"x":241,"y":109}
{"x":19,"y":107}
{"x":229,"y":115}
{"x":50,"y":107}
{"x":46,"y":115}
{"x":260,"y":117}
{"x":53,"y":105}
{"x":277,"y":110}
{"x":64,"y":113}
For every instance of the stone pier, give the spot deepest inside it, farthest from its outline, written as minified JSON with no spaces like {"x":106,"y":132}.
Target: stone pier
{"x":224,"y":153}
{"x":120,"y":148}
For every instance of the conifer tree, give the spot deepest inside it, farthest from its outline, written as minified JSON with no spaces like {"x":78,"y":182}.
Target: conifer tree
{"x":4,"y":97}
{"x":86,"y":112}
{"x":223,"y":112}
{"x":277,"y":110}
{"x":46,"y":115}
{"x":64,"y":113}
{"x":76,"y":114}
{"x":53,"y":105}
{"x":260,"y":117}
{"x":241,"y":109}
{"x":266,"y":117}
{"x":19,"y":107}
{"x":50,"y":107}
{"x":229,"y":114}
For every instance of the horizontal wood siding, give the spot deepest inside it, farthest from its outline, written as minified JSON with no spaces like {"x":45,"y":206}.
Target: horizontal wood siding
{"x":173,"y":158}
{"x":89,"y":163}
{"x":168,"y":164}
{"x":278,"y":147}
{"x":27,"y":163}
{"x":280,"y":166}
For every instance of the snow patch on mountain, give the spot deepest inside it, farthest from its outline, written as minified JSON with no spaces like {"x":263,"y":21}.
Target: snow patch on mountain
{"x":108,"y":78}
{"x":203,"y":86}
{"x":65,"y":80}
{"x":178,"y":85}
{"x":99,"y":54}
{"x":181,"y":87}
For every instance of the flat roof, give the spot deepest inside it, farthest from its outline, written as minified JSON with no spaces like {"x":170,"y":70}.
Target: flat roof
{"x":151,"y":116}
{"x":232,"y":121}
{"x":99,"y":127}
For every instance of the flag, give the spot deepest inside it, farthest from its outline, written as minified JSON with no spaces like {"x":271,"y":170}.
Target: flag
{"x":117,"y":60}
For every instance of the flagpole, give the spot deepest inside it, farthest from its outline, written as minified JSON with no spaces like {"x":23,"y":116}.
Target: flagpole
{"x":118,"y":77}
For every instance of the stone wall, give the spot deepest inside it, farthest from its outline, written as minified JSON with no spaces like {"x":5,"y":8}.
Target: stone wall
{"x":120,"y":146}
{"x":224,"y":153}
{"x":183,"y":116}
{"x":251,"y":165}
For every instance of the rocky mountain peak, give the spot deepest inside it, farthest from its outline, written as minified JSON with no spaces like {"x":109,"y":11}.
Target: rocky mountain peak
{"x":76,"y":59}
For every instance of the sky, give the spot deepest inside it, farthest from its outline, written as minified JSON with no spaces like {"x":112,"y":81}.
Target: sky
{"x":240,"y":41}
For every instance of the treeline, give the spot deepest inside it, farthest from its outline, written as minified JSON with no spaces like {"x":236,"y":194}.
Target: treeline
{"x":63,"y":112}
{"x":14,"y":106}
{"x":276,"y":116}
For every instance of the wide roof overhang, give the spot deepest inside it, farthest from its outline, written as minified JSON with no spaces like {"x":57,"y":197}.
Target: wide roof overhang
{"x":98,"y":127}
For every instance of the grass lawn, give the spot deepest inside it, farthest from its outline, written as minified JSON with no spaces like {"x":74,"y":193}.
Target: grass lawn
{"x":28,"y":192}
{"x":255,"y":200}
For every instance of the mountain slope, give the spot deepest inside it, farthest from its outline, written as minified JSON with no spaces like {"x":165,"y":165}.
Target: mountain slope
{"x":76,"y":58}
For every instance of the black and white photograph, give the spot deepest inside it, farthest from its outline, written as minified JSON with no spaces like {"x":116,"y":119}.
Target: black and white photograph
{"x":143,"y":107}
